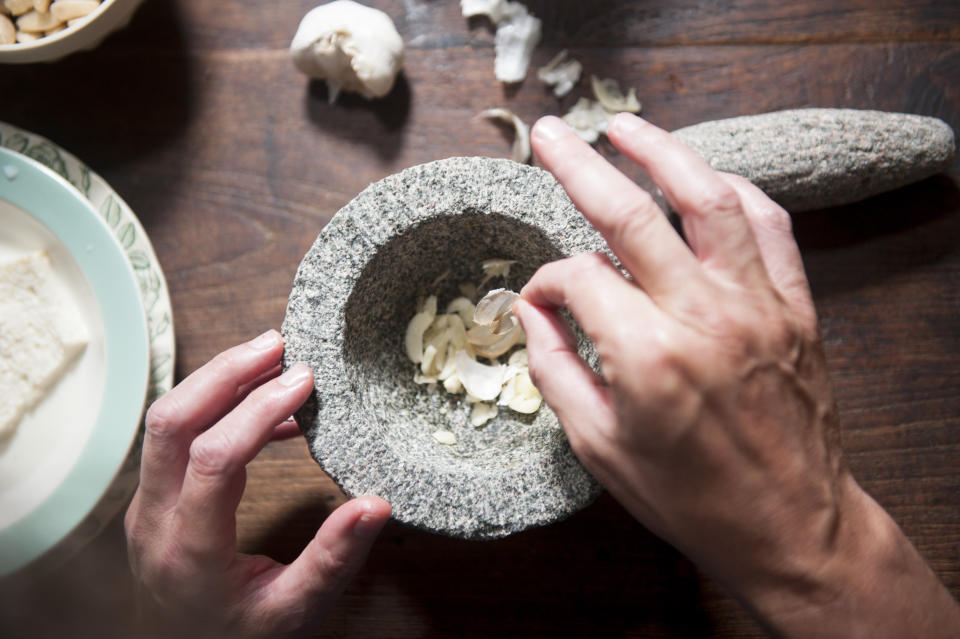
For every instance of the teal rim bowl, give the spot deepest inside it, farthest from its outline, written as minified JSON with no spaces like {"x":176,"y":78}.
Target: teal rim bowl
{"x":73,"y":221}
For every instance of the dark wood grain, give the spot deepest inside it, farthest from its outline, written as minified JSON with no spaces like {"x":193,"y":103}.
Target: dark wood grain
{"x":234,"y":162}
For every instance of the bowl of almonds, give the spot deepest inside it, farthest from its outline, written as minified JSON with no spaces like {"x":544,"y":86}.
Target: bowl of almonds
{"x":422,"y":390}
{"x":47,"y":30}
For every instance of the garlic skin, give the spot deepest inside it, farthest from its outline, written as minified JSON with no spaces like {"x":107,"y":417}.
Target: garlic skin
{"x":353,"y":47}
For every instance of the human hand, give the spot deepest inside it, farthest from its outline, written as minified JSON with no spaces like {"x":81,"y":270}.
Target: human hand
{"x":713,"y":422}
{"x":181,"y":525}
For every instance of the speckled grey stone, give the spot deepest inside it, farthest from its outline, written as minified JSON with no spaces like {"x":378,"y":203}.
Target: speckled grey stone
{"x":368,"y":425}
{"x":816,"y":158}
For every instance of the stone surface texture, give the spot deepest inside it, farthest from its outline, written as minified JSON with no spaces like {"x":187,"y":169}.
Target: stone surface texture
{"x":817,"y":158}
{"x":368,"y":424}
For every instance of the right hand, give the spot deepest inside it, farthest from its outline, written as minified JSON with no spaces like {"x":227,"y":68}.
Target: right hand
{"x":713,"y":422}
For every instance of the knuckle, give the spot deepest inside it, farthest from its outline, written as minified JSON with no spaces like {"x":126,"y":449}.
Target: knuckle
{"x":335,"y":566}
{"x":632,"y":216}
{"x":210,"y":453}
{"x":163,"y":416}
{"x":223,"y":365}
{"x":716,"y":198}
{"x":771,"y":216}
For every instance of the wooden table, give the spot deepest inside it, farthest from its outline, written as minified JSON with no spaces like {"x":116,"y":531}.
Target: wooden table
{"x":233,"y":162}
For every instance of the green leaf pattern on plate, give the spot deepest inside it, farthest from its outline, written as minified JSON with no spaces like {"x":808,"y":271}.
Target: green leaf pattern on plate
{"x":121,"y":221}
{"x":17,"y":142}
{"x":111,"y":212}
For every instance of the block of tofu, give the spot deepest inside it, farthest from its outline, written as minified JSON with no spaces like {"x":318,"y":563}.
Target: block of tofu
{"x":41,"y":333}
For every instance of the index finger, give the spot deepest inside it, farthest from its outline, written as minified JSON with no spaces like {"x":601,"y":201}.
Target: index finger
{"x":635,"y":228}
{"x":174,"y":420}
{"x":713,"y":218}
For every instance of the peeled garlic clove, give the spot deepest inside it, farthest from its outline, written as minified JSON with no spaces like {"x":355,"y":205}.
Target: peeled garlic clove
{"x":480,"y":381}
{"x":483,"y":412}
{"x":521,"y":141}
{"x":610,"y":97}
{"x":36,"y":22}
{"x":424,"y":379}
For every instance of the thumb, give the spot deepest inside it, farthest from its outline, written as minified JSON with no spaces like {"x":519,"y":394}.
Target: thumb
{"x":317,"y":577}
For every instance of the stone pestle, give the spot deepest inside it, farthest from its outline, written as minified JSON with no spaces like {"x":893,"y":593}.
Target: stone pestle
{"x":817,"y":158}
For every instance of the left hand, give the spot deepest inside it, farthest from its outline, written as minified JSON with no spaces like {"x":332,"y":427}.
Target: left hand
{"x":181,"y":525}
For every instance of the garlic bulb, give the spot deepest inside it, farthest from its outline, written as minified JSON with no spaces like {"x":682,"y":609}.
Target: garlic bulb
{"x":353,"y":47}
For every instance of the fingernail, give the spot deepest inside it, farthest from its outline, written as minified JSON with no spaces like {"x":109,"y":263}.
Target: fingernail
{"x":518,"y":307}
{"x":294,"y":376}
{"x":266,"y":341}
{"x":550,"y":129}
{"x":368,"y":526}
{"x":626,"y":123}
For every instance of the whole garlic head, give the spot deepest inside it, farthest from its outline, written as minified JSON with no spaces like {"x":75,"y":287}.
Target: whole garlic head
{"x":353,"y":47}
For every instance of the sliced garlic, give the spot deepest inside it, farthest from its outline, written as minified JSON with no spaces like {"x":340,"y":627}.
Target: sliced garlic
{"x":427,"y":359}
{"x":463,"y":307}
{"x":526,"y":398}
{"x":413,"y":341}
{"x":450,"y":365}
{"x":456,"y":331}
{"x":518,"y":358}
{"x":560,"y":73}
{"x":445,"y":437}
{"x":521,"y":140}
{"x":509,"y":390}
{"x":482,"y":412}
{"x":453,"y":385}
{"x":481,"y":381}
{"x":424,"y":379}
{"x":608,"y":94}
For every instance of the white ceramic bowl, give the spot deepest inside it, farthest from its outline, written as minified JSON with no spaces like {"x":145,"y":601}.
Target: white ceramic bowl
{"x":110,"y":16}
